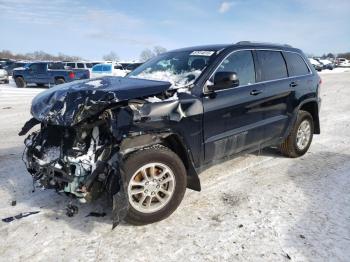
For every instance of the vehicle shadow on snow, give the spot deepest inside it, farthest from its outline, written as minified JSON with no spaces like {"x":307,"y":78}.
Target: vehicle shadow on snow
{"x":15,"y":179}
{"x":321,"y":232}
{"x":305,"y":172}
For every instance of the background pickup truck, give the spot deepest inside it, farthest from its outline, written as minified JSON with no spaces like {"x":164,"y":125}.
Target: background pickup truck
{"x":46,"y":73}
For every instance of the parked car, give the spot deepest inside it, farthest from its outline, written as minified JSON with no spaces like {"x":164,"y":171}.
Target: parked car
{"x":6,"y":62}
{"x":128,"y":67}
{"x":108,"y":69}
{"x":79,"y":65}
{"x":144,"y":138}
{"x":14,"y":65}
{"x":327,"y":64}
{"x":42,"y":73}
{"x":317,"y":65}
{"x":4,"y":77}
{"x":343,"y":62}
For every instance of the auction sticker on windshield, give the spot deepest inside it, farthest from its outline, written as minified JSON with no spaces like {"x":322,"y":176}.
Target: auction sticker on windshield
{"x":203,"y":53}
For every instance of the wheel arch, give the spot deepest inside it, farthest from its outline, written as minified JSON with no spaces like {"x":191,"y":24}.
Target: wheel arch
{"x":59,"y":77}
{"x":171,"y":140}
{"x":312,"y":107}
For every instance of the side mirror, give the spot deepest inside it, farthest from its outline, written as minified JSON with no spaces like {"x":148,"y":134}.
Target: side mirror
{"x":224,"y":80}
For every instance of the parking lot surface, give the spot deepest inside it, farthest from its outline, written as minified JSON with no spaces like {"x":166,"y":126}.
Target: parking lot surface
{"x":259,"y":207}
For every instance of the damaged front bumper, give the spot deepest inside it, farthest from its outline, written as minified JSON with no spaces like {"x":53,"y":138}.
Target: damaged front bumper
{"x":82,"y":160}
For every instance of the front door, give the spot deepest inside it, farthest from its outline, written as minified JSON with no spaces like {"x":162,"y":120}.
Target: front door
{"x":233,"y":119}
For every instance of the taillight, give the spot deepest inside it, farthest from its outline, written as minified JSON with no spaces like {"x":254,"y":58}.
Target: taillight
{"x":71,"y":75}
{"x":320,"y":81}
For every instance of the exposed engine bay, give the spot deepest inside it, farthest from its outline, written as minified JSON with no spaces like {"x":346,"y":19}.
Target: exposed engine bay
{"x":81,"y":161}
{"x":72,"y":159}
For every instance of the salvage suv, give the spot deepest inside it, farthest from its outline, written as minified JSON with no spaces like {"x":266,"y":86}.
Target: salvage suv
{"x":144,"y":138}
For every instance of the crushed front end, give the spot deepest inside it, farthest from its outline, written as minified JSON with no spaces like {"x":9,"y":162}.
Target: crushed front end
{"x":72,"y":159}
{"x":76,"y":149}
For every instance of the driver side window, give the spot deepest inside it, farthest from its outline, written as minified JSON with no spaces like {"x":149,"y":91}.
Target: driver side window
{"x":242,"y":63}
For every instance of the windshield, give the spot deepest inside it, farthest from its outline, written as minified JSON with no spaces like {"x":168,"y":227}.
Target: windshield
{"x":180,"y":68}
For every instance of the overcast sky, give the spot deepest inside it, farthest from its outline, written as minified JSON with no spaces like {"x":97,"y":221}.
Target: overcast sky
{"x":91,"y":29}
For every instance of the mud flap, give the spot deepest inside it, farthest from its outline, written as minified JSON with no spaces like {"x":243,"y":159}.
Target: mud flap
{"x":120,"y":204}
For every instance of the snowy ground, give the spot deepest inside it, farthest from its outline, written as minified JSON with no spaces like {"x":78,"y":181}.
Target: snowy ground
{"x":260,"y":207}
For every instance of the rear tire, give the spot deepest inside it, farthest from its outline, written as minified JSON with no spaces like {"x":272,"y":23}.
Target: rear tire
{"x":149,"y":169}
{"x":59,"y":81}
{"x":20,"y":82}
{"x":299,"y":139}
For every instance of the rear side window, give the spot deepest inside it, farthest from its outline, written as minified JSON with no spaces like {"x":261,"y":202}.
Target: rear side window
{"x":40,"y":67}
{"x":272,"y":65}
{"x":106,"y":68}
{"x":296,"y":64}
{"x":97,"y":68}
{"x":72,"y":65}
{"x":80,"y":65}
{"x":55,"y":66}
{"x":242,"y":64}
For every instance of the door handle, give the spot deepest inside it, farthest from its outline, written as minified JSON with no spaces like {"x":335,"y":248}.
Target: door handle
{"x":293,"y":84}
{"x":255,"y":92}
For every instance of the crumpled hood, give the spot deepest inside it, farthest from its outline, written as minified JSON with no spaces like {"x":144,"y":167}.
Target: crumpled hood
{"x":70,"y":103}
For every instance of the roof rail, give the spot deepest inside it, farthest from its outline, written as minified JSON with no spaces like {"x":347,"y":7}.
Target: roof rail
{"x":250,"y":42}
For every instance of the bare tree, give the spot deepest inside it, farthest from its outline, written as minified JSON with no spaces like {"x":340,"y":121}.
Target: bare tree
{"x":159,"y":50}
{"x":38,"y":55}
{"x":112,"y":56}
{"x":148,"y":53}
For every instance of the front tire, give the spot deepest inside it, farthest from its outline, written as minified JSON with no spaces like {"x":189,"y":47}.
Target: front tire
{"x":20,"y":82}
{"x":156,"y":179}
{"x":299,"y":140}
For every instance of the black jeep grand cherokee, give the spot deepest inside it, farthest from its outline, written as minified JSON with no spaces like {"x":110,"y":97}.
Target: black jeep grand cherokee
{"x":144,"y":138}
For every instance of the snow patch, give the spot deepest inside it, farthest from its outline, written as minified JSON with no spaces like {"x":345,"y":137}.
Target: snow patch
{"x":95,"y":83}
{"x":153,"y":99}
{"x":176,"y":80}
{"x":51,"y":154}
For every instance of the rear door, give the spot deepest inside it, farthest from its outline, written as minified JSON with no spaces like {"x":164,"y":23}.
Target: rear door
{"x":233,"y":117}
{"x":277,"y":93}
{"x":299,"y":73}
